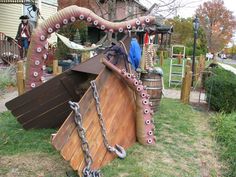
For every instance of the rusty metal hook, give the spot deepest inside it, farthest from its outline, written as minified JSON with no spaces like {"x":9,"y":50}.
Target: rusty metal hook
{"x":120,"y":151}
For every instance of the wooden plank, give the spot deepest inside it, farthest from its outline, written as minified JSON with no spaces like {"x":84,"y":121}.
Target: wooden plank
{"x":34,"y":113}
{"x":50,"y":119}
{"x":126,"y":131}
{"x":93,"y":136}
{"x":36,"y":99}
{"x":112,"y":134}
{"x":71,"y":146}
{"x":64,"y":134}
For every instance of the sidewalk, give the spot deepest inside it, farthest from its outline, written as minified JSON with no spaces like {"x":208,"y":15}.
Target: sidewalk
{"x":168,"y":93}
{"x":5,"y":98}
{"x":175,"y":94}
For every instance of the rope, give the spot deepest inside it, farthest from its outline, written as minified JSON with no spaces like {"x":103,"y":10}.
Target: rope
{"x":129,"y":66}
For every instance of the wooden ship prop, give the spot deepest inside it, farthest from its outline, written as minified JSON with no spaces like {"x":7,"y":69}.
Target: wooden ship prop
{"x":101,"y":107}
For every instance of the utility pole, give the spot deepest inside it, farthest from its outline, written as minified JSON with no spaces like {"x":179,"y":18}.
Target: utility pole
{"x":195,"y":28}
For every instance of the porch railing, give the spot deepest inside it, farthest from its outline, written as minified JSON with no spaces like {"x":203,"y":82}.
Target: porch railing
{"x":9,"y":49}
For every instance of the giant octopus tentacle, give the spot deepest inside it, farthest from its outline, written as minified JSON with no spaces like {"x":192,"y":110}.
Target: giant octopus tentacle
{"x":37,"y":50}
{"x":144,"y":120}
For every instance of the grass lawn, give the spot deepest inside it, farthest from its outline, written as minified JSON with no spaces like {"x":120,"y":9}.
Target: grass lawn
{"x":184,"y":148}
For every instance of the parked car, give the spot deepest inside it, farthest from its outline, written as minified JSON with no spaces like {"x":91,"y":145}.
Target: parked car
{"x":223,"y":56}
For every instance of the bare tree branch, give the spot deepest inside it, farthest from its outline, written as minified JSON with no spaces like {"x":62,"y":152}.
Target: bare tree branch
{"x":100,"y":8}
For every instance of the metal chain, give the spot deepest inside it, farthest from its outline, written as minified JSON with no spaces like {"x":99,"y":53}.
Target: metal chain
{"x":100,"y":116}
{"x":117,"y":149}
{"x":87,"y":172}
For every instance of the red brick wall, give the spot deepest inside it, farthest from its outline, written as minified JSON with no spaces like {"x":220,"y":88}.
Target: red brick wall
{"x":121,"y":11}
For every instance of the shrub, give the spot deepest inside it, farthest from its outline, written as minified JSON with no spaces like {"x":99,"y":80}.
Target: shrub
{"x":225,"y":131}
{"x":221,"y":90}
{"x":7,"y":77}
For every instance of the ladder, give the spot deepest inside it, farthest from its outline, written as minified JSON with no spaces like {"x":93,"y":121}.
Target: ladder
{"x":176,"y":73}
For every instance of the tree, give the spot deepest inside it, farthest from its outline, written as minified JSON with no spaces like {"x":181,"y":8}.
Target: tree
{"x":183,"y":34}
{"x":183,"y":31}
{"x":218,"y":24}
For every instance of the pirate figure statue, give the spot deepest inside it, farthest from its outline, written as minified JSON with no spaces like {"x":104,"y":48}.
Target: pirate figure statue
{"x":23,"y":35}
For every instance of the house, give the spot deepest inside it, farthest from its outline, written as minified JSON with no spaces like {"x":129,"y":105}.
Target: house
{"x":10,"y":11}
{"x":124,"y":9}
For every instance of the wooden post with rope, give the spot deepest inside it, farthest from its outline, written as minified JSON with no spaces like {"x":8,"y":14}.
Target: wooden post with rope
{"x":55,"y":67}
{"x":161,"y":58}
{"x":186,"y":86}
{"x":59,"y":70}
{"x":20,"y":77}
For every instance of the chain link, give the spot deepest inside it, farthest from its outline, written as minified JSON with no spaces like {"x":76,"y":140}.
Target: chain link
{"x":87,"y":172}
{"x":117,"y":149}
{"x":100,"y":116}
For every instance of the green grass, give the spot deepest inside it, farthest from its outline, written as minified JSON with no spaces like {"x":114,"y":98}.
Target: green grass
{"x":14,"y":139}
{"x":28,"y":153}
{"x":224,"y":126}
{"x":183,"y":144}
{"x":176,"y":153}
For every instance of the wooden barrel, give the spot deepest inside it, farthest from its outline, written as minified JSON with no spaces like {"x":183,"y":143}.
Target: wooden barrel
{"x":153,"y":81}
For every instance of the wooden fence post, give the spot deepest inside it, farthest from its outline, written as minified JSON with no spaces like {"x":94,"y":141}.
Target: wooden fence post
{"x":20,"y":77}
{"x":180,"y":58}
{"x":59,"y":70}
{"x":161,"y":58}
{"x":186,"y":86}
{"x":188,"y":63}
{"x":202,"y":63}
{"x":55,"y":66}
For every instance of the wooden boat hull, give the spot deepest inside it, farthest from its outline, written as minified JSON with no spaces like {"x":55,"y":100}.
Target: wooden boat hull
{"x":119,"y":111}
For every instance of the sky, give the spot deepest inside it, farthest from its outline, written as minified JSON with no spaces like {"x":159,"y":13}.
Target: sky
{"x":189,"y":10}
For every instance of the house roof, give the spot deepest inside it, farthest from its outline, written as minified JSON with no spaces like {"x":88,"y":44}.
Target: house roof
{"x":142,"y":6}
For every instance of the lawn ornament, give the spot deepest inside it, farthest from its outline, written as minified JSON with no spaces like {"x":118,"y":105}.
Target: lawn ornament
{"x":100,"y":99}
